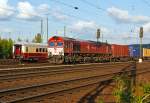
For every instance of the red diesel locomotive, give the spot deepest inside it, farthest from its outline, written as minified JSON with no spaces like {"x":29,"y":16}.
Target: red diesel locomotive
{"x":64,"y":49}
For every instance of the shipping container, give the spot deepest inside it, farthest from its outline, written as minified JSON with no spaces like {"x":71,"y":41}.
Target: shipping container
{"x":146,"y":52}
{"x":119,"y":51}
{"x":134,"y":49}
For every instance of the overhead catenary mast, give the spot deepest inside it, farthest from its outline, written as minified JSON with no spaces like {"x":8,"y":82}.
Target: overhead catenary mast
{"x":42,"y":29}
{"x":64,"y":31}
{"x":47,"y":28}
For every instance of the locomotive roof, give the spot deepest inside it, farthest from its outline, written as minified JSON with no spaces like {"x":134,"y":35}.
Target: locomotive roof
{"x":72,"y":39}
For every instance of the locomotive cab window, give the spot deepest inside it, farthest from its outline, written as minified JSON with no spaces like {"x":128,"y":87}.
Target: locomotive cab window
{"x":51,"y":43}
{"x":59,"y":44}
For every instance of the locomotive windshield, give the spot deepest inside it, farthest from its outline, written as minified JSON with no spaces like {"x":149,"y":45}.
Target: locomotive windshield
{"x":59,"y":44}
{"x":51,"y":43}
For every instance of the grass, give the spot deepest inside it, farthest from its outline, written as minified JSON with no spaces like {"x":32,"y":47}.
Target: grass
{"x":125,"y":92}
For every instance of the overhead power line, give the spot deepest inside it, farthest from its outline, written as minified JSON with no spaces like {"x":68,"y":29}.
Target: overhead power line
{"x":146,"y":2}
{"x":65,"y":4}
{"x":73,"y":7}
{"x":93,"y":5}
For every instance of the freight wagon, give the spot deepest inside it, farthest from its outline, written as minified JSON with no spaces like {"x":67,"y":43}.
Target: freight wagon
{"x":120,"y":52}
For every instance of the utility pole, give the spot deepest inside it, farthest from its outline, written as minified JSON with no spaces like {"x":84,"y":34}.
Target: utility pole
{"x":42,"y":29}
{"x":141,"y":37}
{"x":56,"y":32}
{"x":64,"y":31}
{"x":47,"y":28}
{"x":102,"y":37}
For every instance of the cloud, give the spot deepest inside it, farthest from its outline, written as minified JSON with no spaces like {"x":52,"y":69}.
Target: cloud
{"x":84,"y":25}
{"x":123,"y":16}
{"x":27,"y":11}
{"x":43,"y":9}
{"x":30,"y":12}
{"x":86,"y":29}
{"x":6,"y":11}
{"x":146,"y":28}
{"x":7,"y":30}
{"x":58,"y":15}
{"x":87,"y":26}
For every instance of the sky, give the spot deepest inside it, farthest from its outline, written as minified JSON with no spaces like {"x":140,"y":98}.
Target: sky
{"x":119,"y":20}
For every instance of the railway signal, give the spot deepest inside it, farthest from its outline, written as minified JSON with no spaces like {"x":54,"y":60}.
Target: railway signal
{"x":141,"y":32}
{"x":141,"y":37}
{"x":98,"y":34}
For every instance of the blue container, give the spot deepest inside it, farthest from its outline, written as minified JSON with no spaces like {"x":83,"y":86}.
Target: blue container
{"x":134,"y":49}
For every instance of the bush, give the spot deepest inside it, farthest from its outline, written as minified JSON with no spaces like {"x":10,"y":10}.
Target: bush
{"x":124,"y":92}
{"x":5,"y":48}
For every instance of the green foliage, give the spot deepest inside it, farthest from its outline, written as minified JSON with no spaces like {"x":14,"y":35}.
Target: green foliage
{"x":101,"y":100}
{"x":124,"y":93}
{"x":5,"y":48}
{"x":144,"y":96}
{"x":38,"y":38}
{"x":146,"y":88}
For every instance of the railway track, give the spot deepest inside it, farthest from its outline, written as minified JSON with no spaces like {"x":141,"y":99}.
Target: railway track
{"x":29,"y":80}
{"x":15,"y":74}
{"x":52,"y":88}
{"x":58,"y":90}
{"x":36,"y":65}
{"x":88,"y":76}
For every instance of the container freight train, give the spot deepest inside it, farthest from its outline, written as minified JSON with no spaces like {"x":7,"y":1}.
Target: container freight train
{"x":70,"y":50}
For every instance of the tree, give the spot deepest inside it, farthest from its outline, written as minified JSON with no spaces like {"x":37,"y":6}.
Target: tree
{"x":37,"y":39}
{"x":6,"y":48}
